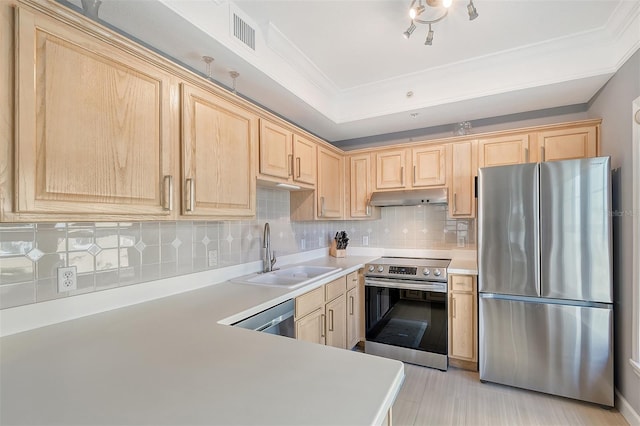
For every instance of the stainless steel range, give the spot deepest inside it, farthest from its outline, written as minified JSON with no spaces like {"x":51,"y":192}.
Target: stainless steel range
{"x":406,"y":310}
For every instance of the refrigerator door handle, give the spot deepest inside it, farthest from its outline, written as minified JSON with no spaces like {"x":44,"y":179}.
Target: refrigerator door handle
{"x":536,"y":230}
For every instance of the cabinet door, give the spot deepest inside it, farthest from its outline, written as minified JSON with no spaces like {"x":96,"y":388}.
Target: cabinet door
{"x":462,"y":343}
{"x":353,"y":317}
{"x":330,"y":188}
{"x":218,"y":156}
{"x":391,"y":169}
{"x":463,"y":326}
{"x":461,"y":188}
{"x":276,"y":158}
{"x":360,"y":185}
{"x":503,"y":151}
{"x":311,"y":328}
{"x":336,"y":322}
{"x":567,"y":144}
{"x":304,"y":160}
{"x":95,"y":129}
{"x":428,"y":166}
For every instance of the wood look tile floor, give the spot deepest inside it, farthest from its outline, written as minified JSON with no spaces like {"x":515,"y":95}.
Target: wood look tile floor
{"x":456,"y":397}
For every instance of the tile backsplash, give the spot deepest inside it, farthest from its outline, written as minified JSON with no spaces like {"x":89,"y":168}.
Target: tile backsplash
{"x":113,"y":254}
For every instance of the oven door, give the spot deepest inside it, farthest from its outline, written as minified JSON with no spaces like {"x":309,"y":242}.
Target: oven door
{"x":407,"y":314}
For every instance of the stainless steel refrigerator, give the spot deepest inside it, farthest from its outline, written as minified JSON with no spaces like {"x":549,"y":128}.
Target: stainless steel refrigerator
{"x":545,"y":278}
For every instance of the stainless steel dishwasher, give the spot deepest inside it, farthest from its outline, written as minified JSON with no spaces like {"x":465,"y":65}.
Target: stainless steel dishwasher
{"x":275,"y":320}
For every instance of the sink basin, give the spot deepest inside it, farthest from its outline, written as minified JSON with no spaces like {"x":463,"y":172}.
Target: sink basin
{"x":292,"y":277}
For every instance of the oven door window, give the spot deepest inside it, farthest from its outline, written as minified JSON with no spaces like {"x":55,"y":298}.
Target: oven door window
{"x":412,"y":319}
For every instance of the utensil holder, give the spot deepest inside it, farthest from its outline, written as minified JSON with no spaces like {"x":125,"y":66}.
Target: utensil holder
{"x":335,"y":252}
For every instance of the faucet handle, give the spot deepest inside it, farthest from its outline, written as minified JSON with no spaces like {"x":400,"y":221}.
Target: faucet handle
{"x":273,"y":258}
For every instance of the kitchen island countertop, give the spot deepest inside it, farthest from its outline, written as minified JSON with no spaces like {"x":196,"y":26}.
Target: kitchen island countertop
{"x":174,"y":361}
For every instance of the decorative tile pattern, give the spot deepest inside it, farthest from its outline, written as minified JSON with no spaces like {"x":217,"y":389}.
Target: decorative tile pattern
{"x":35,"y":254}
{"x":94,"y":249}
{"x":176,"y":243}
{"x":109,"y":255}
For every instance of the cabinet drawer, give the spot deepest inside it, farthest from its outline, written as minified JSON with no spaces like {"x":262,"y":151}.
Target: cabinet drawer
{"x":462,"y":283}
{"x":352,"y":280}
{"x":309,"y":302}
{"x":335,"y":288}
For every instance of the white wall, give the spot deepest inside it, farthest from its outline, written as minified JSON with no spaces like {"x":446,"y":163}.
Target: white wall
{"x":613,"y":105}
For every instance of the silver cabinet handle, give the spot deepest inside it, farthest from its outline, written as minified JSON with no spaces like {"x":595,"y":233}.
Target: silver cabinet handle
{"x":321,"y":206}
{"x":414,"y":175}
{"x":542,"y":153}
{"x":191,"y":192}
{"x":368,"y":208}
{"x":526,"y":155}
{"x":455,"y":206}
{"x":298,"y":167}
{"x":351,"y":300}
{"x":402,"y":175}
{"x":168,"y":193}
{"x":330,"y":319}
{"x":290,"y":165}
{"x":322,"y":325}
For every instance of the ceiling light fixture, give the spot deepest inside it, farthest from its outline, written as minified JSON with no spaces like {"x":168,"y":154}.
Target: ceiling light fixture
{"x":416,"y":8}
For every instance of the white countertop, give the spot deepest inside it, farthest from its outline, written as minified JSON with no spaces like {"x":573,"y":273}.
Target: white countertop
{"x":465,"y":266}
{"x":169,"y":361}
{"x":174,"y":360}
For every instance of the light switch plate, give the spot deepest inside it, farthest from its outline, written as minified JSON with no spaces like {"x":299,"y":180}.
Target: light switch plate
{"x":365,"y":240}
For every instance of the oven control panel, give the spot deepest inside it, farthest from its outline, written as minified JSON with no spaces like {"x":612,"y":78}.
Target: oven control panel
{"x":403,"y":270}
{"x":416,"y":269}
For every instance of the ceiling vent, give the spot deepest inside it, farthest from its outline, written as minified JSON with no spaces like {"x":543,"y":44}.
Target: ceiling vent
{"x":242,"y":30}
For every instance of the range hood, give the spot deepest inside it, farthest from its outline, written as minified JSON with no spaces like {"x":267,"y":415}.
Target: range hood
{"x":413,"y":197}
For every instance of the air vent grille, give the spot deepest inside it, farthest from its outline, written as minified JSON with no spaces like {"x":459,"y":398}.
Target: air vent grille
{"x":244,"y":32}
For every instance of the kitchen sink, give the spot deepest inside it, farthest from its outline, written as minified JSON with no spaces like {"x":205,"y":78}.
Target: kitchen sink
{"x":291,"y":277}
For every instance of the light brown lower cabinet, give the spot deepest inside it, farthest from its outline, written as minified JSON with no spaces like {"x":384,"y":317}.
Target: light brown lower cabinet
{"x":331,"y":314}
{"x":463,"y":321}
{"x":310,"y":328}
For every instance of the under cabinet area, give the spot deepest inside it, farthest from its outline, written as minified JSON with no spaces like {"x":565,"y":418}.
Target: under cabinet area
{"x":463,"y":321}
{"x":331,"y":314}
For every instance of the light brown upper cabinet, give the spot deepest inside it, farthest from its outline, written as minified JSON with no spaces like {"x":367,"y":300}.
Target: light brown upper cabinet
{"x":503,"y":150}
{"x":330,"y":190}
{"x":285,"y":155}
{"x":96,"y":129}
{"x":568,"y":143}
{"x":360,"y":186}
{"x":407,"y":168}
{"x":391,"y":169}
{"x":463,"y":160}
{"x":428,"y":168}
{"x":218,"y":140}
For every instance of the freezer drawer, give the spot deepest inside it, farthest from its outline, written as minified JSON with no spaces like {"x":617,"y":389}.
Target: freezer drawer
{"x":553,"y":348}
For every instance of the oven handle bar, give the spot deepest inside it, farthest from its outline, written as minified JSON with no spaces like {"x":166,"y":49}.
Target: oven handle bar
{"x":407,"y":285}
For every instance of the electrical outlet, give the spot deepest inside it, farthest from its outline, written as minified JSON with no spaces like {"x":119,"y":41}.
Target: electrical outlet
{"x":213,"y":257}
{"x":320,"y":241}
{"x":67,"y":279}
{"x":302,"y":244}
{"x":365,"y":240}
{"x":462,"y":241}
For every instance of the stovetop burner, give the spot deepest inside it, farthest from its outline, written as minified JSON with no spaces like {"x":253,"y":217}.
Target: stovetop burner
{"x":408,"y":268}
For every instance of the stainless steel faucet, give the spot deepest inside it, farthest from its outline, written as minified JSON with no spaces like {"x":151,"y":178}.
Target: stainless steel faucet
{"x":269,"y":257}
